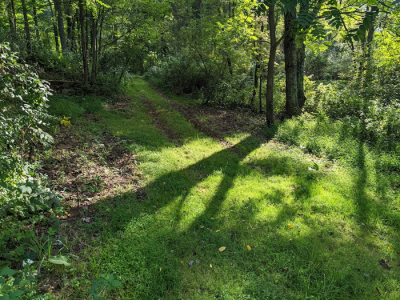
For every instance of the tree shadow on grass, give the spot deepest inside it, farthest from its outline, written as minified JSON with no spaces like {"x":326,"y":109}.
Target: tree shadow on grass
{"x":155,"y":258}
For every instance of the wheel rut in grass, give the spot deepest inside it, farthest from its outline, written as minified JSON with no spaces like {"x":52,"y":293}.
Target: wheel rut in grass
{"x":218,"y":122}
{"x":159,"y":121}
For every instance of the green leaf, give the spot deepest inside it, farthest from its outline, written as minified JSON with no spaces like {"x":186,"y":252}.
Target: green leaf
{"x":7,"y":271}
{"x":25,"y":189}
{"x":59,"y":260}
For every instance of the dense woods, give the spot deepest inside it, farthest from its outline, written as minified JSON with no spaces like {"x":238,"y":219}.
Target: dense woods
{"x":322,"y":75}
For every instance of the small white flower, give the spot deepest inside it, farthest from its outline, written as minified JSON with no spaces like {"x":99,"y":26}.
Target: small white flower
{"x":27,"y":262}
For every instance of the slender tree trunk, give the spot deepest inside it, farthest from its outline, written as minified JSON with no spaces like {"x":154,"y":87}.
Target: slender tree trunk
{"x":70,"y":21}
{"x":271,"y":67}
{"x":74,"y":34}
{"x":10,"y":14}
{"x":260,"y":86}
{"x":93,"y":41}
{"x":87,"y":30}
{"x":83,"y":42}
{"x":257,"y":66}
{"x":261,"y":64}
{"x":368,"y":55}
{"x":60,"y":21}
{"x":103,"y":14}
{"x":35,"y":20}
{"x":292,"y":105}
{"x":55,"y":30}
{"x":300,"y":56}
{"x":14,"y":17}
{"x":27,"y":29}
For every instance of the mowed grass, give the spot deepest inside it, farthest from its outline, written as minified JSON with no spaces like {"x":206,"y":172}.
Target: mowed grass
{"x":290,"y":232}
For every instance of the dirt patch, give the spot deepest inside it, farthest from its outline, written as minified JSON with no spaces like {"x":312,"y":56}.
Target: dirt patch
{"x":159,"y":122}
{"x":218,"y":122}
{"x":122,"y":104}
{"x":84,"y":170}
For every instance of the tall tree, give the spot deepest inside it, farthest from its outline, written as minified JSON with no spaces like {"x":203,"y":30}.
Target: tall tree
{"x":26,"y":27}
{"x":289,"y":43}
{"x":271,"y":65}
{"x":60,"y":22}
{"x":83,"y":42}
{"x":35,"y":20}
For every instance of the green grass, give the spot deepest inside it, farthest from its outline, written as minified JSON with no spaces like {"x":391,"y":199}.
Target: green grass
{"x":313,"y":234}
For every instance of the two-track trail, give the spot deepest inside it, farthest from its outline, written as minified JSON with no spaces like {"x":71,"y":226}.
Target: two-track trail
{"x":190,"y":180}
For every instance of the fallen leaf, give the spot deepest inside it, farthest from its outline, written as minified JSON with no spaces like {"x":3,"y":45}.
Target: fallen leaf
{"x":222,"y":249}
{"x":248,"y":247}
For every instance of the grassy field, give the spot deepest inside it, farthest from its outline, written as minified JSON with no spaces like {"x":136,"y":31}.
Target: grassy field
{"x":242,"y":216}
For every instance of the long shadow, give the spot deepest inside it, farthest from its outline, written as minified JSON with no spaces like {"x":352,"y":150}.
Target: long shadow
{"x":149,"y":249}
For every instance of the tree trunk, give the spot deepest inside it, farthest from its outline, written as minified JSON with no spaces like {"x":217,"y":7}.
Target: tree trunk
{"x":26,"y":26}
{"x":60,"y":22}
{"x":70,"y":29}
{"x":14,"y":17}
{"x":300,"y":56}
{"x":35,"y":19}
{"x":292,"y":105}
{"x":368,"y":55}
{"x":55,"y":30}
{"x":93,"y":41}
{"x":11,"y":17}
{"x":103,"y":14}
{"x":257,"y":66}
{"x":83,"y":42}
{"x":269,"y":103}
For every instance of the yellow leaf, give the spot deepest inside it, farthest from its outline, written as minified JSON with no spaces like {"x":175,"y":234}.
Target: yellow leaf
{"x":222,"y":249}
{"x":217,"y":230}
{"x":290,"y":225}
{"x":248,"y":247}
{"x":390,"y":248}
{"x":160,"y":269}
{"x":210,"y":265}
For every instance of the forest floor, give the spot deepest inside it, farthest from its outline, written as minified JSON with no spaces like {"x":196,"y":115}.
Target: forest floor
{"x":180,"y":201}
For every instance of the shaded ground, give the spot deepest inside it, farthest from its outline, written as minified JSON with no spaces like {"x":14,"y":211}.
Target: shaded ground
{"x":218,"y":122}
{"x":84,"y":169}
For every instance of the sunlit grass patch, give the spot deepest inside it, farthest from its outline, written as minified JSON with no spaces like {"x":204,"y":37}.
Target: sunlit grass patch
{"x":292,"y":225}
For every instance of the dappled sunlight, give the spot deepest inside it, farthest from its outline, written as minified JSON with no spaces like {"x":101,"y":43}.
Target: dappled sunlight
{"x":283,"y":217}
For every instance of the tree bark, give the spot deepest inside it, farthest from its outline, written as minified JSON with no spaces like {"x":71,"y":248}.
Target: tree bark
{"x":70,"y":29}
{"x":83,"y":43}
{"x":368,"y":54}
{"x":35,"y":20}
{"x":12,"y":17}
{"x":292,"y":105}
{"x":27,"y":29}
{"x":271,"y":67}
{"x":55,"y":30}
{"x":60,"y":22}
{"x":93,"y":40}
{"x":300,"y":56}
